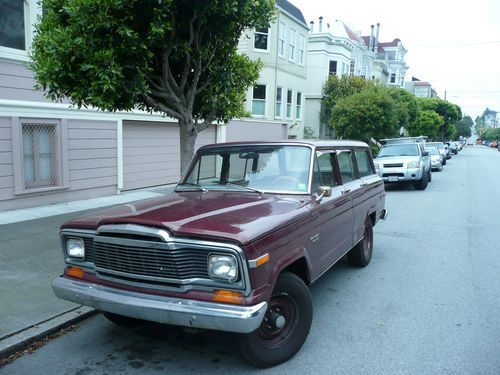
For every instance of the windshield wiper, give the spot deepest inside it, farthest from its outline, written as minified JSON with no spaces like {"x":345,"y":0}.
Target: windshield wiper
{"x":193,"y":187}
{"x":244,"y":187}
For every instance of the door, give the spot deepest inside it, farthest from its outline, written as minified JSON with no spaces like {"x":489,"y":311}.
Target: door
{"x":335,"y":212}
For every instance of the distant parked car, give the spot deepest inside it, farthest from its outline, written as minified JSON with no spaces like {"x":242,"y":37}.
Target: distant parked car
{"x":453,"y":147}
{"x":442,"y":148}
{"x":436,"y":158}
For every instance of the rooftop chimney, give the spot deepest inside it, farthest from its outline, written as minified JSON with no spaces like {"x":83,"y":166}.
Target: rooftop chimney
{"x":311,"y":28}
{"x":370,"y":46}
{"x":376,"y":37}
{"x":320,"y":24}
{"x":328,"y":27}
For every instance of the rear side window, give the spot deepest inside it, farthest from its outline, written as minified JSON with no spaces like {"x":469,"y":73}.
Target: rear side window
{"x":363,"y":162}
{"x":324,"y":170}
{"x":345,"y":165}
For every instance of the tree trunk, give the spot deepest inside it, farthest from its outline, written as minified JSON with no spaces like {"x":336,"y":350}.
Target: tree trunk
{"x":188,"y":135}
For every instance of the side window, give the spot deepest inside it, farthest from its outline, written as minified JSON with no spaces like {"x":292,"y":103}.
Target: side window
{"x":363,"y":162}
{"x":324,"y":170}
{"x":346,"y":166}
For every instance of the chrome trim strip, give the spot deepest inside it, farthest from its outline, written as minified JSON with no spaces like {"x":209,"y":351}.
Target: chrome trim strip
{"x":162,"y":309}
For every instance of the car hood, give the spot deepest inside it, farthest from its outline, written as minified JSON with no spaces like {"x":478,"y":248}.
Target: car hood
{"x":396,"y":159}
{"x":235,"y":216}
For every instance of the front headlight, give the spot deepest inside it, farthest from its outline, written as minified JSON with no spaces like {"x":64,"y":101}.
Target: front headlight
{"x":223,"y":267}
{"x":75,"y":248}
{"x":413,"y":164}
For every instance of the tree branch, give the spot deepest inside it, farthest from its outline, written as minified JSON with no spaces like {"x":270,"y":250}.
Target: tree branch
{"x":187,"y":63}
{"x":162,"y":107}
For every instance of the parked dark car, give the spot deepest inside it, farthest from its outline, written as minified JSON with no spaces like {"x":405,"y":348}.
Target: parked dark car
{"x":453,"y":147}
{"x":248,"y":227}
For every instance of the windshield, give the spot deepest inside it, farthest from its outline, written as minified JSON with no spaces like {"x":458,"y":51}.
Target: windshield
{"x":438,"y":145}
{"x":399,"y":150}
{"x":255,"y":168}
{"x":432,"y":150}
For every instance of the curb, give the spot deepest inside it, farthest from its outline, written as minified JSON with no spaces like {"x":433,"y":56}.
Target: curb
{"x":21,"y":339}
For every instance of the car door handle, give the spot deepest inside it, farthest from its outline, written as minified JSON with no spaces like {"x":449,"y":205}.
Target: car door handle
{"x":345,"y":191}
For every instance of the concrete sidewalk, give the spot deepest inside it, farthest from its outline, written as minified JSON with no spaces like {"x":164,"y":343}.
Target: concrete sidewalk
{"x":31,"y":257}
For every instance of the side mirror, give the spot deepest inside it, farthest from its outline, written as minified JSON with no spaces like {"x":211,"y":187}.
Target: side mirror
{"x":425,"y":153}
{"x":323,"y":191}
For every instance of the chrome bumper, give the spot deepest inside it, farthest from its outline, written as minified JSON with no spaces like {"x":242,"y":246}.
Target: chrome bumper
{"x":168,"y":310}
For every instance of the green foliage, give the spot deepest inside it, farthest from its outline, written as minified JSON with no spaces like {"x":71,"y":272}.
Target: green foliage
{"x":464,"y":127}
{"x":405,"y":107}
{"x":336,"y":88}
{"x":173,"y":56}
{"x":491,"y":134}
{"x":428,"y":123}
{"x":309,"y":133}
{"x":367,"y":114}
{"x":449,"y":112}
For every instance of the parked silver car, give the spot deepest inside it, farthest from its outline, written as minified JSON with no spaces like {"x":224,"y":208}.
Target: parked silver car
{"x":443,"y":150}
{"x":397,"y":162}
{"x":436,"y":158}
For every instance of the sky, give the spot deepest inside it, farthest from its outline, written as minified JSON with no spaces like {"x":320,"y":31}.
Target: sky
{"x":453,"y":45}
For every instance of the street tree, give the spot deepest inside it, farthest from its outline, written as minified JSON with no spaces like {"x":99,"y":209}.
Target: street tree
{"x":336,"y":88}
{"x":428,"y":123}
{"x":405,"y":107}
{"x":449,"y":112}
{"x":176,"y":57}
{"x":464,"y":127}
{"x":367,"y":114}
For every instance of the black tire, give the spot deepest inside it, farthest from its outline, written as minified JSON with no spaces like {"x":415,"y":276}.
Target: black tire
{"x":121,"y":320}
{"x":277,"y":339}
{"x":422,"y":183}
{"x":430,"y":175}
{"x":361,"y":254}
{"x":444,"y":161}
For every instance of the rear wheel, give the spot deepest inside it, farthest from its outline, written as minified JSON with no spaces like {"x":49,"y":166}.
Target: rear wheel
{"x":361,"y":254}
{"x":285,"y":326}
{"x":430,"y":175}
{"x":121,"y":320}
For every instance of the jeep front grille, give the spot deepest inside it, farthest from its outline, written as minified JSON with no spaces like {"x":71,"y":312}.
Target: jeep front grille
{"x":151,"y":261}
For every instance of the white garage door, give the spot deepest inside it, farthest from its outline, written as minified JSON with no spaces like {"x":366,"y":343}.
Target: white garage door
{"x":151,"y":153}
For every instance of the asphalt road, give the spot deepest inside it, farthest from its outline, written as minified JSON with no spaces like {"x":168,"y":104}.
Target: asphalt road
{"x":429,"y":302}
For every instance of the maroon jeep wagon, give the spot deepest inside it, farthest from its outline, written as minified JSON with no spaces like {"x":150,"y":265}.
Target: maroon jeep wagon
{"x":234,"y":247}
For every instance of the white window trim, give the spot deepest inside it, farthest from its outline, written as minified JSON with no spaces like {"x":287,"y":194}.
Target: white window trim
{"x":260,"y":100}
{"x":268,"y":49}
{"x":298,"y":106}
{"x":280,"y":103}
{"x":289,"y":104}
{"x":31,"y":12}
{"x":290,"y":45}
{"x":18,"y":158}
{"x":301,"y":48}
{"x":282,"y":26}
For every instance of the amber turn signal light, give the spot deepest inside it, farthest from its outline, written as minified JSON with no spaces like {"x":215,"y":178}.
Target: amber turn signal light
{"x":76,"y":272}
{"x":227,"y":296}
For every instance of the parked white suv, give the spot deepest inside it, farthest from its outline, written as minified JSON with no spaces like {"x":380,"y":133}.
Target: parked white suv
{"x":408,"y":161}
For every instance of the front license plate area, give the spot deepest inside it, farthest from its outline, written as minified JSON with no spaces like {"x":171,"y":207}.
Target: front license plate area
{"x":393,"y":179}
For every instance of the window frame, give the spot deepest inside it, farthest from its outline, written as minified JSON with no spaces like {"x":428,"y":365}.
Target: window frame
{"x":281,"y":41}
{"x":60,"y":150}
{"x":370,"y":162}
{"x":301,"y":48}
{"x":278,"y":104}
{"x":260,"y":100}
{"x":330,"y":71}
{"x":31,"y":12}
{"x":289,"y":105}
{"x":268,"y":35}
{"x":353,"y":165}
{"x":292,"y":44}
{"x":298,"y":105}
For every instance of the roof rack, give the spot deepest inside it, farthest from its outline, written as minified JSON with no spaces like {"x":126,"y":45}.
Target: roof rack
{"x":419,"y":139}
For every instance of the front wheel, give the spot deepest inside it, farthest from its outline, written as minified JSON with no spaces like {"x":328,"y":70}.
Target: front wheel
{"x":285,"y":326}
{"x":361,"y":254}
{"x":422,"y":183}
